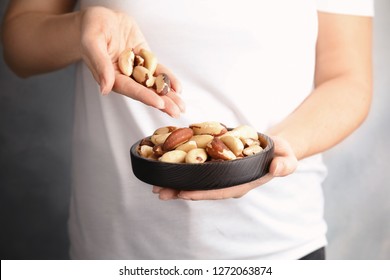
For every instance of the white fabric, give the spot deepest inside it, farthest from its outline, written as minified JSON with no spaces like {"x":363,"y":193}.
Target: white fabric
{"x":240,"y":62}
{"x":348,"y":7}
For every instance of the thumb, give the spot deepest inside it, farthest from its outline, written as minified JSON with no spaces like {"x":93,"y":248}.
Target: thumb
{"x":283,"y":166}
{"x":285,"y":161}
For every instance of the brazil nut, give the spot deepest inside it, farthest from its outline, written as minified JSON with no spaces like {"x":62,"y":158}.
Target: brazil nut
{"x":201,"y":142}
{"x":177,"y":137}
{"x":252,"y":150}
{"x":150,"y":60}
{"x":233,"y":143}
{"x":212,"y":128}
{"x":197,"y":155}
{"x":126,"y":62}
{"x":175,"y":156}
{"x":218,"y":150}
{"x":162,"y":84}
{"x":143,"y":76}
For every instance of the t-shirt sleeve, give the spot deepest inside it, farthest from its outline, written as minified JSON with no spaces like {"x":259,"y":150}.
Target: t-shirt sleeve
{"x":349,"y":7}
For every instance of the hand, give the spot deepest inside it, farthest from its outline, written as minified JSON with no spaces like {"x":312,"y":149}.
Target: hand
{"x":104,"y":35}
{"x":284,"y":163}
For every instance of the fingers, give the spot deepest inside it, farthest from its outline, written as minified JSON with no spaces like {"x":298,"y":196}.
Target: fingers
{"x":128,"y":87}
{"x":283,"y":164}
{"x":99,"y":62}
{"x":226,"y":193}
{"x":173,"y":97}
{"x":219,"y":194}
{"x":172,"y":104}
{"x":165,"y":193}
{"x":176,"y":98}
{"x":101,"y":43}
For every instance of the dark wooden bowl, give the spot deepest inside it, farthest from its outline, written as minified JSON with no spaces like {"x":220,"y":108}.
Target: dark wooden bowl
{"x":203,"y":176}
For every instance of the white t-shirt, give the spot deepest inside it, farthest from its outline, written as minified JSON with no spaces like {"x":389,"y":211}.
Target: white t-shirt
{"x":240,"y":62}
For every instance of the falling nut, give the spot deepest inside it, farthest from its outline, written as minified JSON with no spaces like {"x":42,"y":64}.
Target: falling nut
{"x":143,"y":76}
{"x":218,"y":150}
{"x":233,"y":143}
{"x":150,"y":60}
{"x":252,"y":150}
{"x":202,"y":140}
{"x":162,"y":84}
{"x":196,"y":156}
{"x":188,"y":146}
{"x":212,"y":128}
{"x":126,"y":61}
{"x":177,"y":137}
{"x":175,"y":156}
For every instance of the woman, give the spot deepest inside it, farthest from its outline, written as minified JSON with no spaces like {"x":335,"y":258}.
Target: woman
{"x":252,"y":62}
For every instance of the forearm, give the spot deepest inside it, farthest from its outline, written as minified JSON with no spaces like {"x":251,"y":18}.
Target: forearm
{"x":36,"y":42}
{"x":331,"y":112}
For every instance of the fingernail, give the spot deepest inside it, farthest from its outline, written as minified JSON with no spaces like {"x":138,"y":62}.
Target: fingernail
{"x":103,"y":91}
{"x":176,"y":112}
{"x":183,"y":108}
{"x":160,"y":104}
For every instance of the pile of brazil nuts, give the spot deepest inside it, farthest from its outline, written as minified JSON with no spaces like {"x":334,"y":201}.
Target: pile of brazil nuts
{"x":141,"y":68}
{"x":200,"y":142}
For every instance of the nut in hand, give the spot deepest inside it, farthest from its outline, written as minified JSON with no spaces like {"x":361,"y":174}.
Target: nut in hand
{"x":143,"y":76}
{"x":150,"y":60}
{"x":162,"y":84}
{"x":126,"y":62}
{"x":139,"y":61}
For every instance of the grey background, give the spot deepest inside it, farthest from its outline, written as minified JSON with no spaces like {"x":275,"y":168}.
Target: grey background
{"x":35,"y":145}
